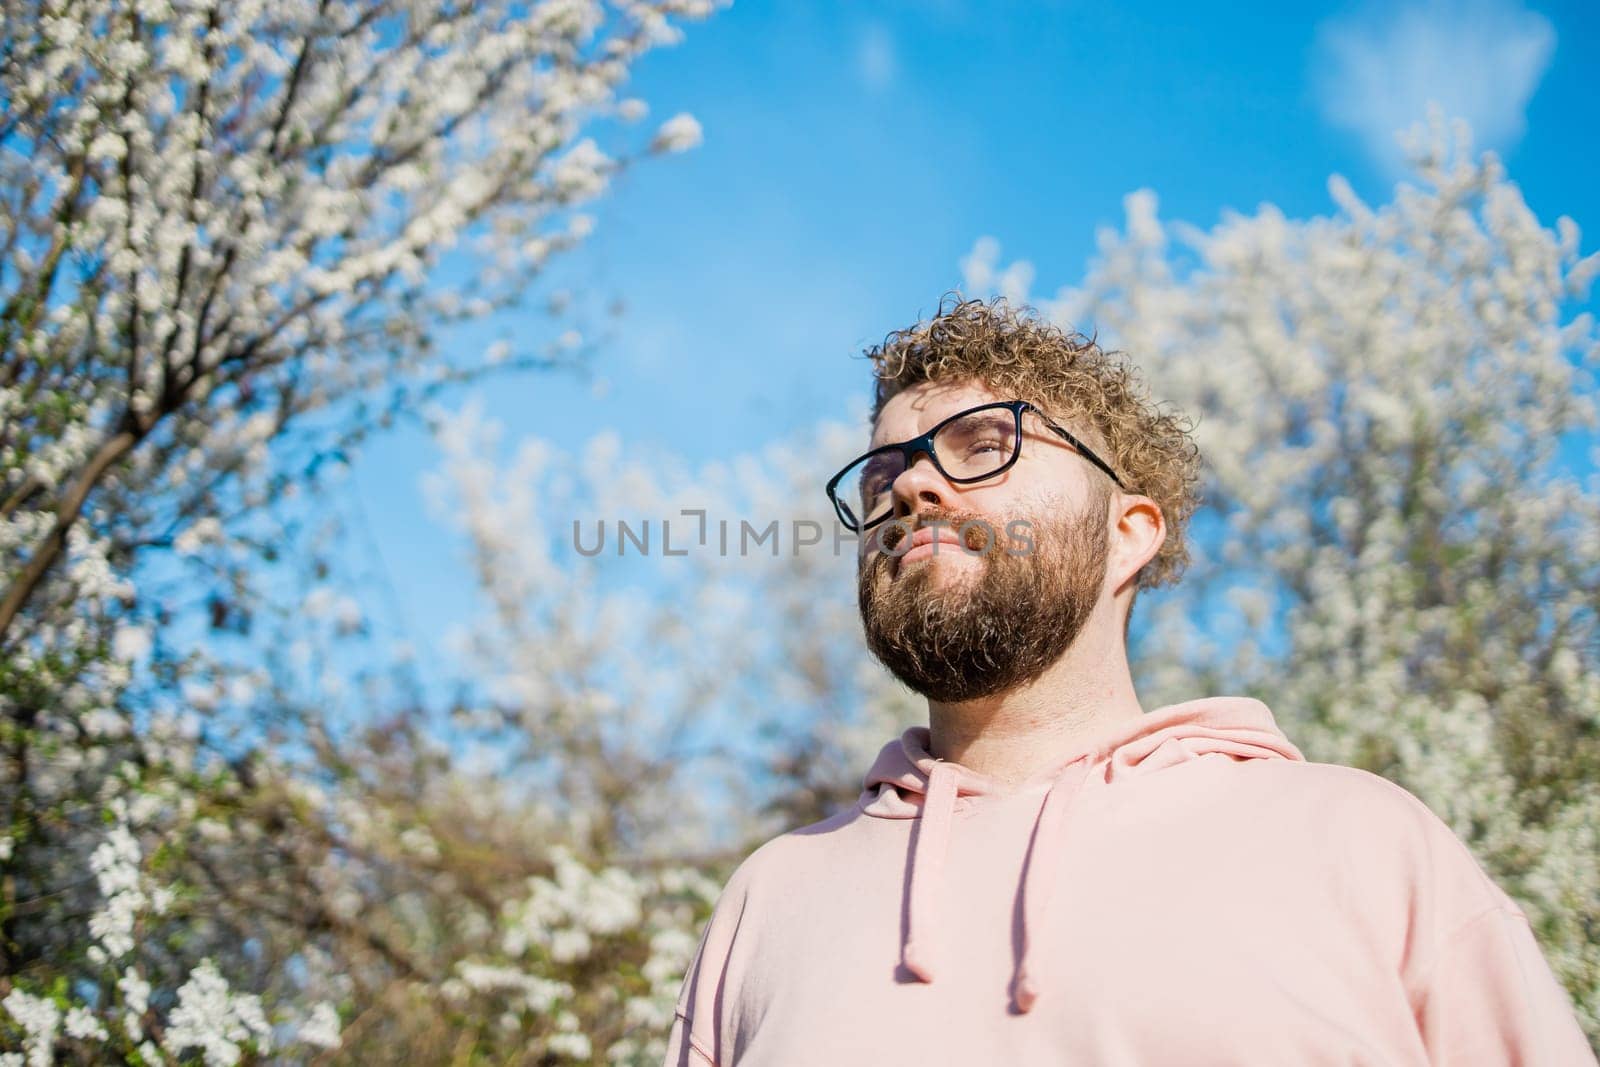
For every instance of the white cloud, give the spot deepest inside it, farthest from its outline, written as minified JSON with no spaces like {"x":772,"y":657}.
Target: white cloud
{"x":875,"y":59}
{"x":1376,"y":70}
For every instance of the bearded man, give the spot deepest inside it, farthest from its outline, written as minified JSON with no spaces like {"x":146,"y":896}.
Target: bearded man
{"x":1047,"y":873}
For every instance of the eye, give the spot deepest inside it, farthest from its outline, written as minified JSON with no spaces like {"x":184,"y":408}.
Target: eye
{"x":875,"y":479}
{"x":987,"y":444}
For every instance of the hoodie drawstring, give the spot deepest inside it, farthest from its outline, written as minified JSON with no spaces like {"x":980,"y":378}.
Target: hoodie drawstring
{"x":1038,"y":879}
{"x":927,"y":867}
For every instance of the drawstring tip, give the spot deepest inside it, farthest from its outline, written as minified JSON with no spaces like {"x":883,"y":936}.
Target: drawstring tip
{"x":1026,"y":994}
{"x":914,"y":962}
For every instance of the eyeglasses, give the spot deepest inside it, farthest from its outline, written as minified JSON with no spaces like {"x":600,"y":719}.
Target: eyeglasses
{"x":967,"y":447}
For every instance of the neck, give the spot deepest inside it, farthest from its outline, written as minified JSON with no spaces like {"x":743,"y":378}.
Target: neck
{"x":1014,"y":735}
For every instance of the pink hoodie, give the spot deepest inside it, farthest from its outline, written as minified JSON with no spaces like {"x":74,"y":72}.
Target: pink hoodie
{"x":1186,"y":889}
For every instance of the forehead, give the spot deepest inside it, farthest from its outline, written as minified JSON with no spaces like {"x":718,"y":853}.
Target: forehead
{"x":918,"y":409}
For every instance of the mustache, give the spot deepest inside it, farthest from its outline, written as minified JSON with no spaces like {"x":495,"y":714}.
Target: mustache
{"x":975,"y":531}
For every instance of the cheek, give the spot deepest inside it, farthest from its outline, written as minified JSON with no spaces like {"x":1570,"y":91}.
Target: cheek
{"x":868,"y":546}
{"x":991,"y":503}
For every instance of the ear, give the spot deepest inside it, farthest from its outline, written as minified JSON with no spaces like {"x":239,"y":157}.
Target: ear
{"x":1138,"y":530}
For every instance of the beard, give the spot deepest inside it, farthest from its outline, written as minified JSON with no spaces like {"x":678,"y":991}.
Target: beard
{"x":989,"y":632}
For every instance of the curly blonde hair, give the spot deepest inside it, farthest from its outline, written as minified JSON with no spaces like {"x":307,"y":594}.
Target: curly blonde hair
{"x":1099,"y":396}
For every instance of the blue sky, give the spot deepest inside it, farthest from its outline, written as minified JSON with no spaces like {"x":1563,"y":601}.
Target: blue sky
{"x":855,"y":152}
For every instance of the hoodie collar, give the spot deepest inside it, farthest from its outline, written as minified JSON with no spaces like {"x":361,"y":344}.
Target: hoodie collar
{"x":907,"y":782}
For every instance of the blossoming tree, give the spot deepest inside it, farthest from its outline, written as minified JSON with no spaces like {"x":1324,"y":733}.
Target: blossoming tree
{"x":230,"y":235}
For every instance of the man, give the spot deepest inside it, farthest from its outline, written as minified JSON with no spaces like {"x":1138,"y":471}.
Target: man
{"x":1046,"y":873}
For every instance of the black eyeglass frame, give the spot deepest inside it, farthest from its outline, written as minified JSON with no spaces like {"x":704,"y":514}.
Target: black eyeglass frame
{"x":909,"y":449}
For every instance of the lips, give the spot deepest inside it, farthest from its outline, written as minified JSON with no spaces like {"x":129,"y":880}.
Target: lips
{"x":927,"y":535}
{"x":925,"y":542}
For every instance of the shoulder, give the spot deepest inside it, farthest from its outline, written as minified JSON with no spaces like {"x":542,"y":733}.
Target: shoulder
{"x":1373,"y":830}
{"x":1351,"y":789}
{"x":762,"y":890}
{"x":795,"y":855}
{"x":804,"y":851}
{"x":1333,"y":792}
{"x":1293,"y":799}
{"x":749,"y":908}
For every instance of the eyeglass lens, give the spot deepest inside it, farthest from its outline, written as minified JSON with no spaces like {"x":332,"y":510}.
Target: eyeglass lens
{"x":974,"y":446}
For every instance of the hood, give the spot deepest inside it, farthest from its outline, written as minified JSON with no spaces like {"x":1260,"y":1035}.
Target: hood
{"x":907,"y":782}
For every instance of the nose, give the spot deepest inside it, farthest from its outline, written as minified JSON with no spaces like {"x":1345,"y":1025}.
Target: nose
{"x":919,"y":486}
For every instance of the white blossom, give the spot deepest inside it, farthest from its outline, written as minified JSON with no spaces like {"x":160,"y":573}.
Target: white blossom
{"x":213,"y":1019}
{"x":321,"y":1028}
{"x":83,"y":1024}
{"x":678,"y":134}
{"x":39,"y":1018}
